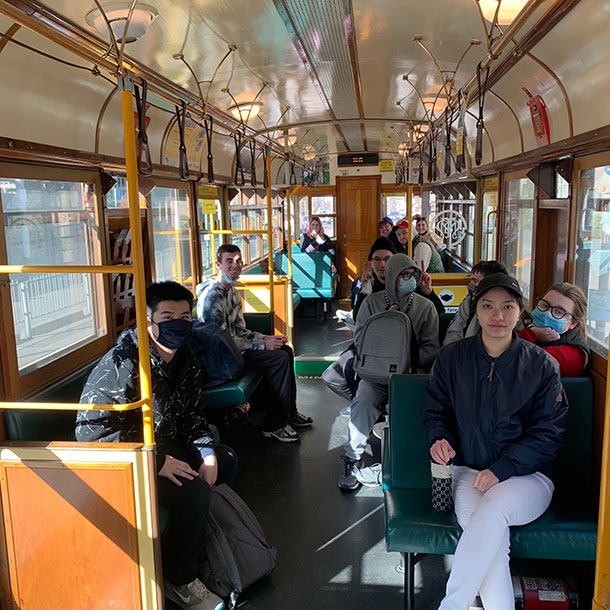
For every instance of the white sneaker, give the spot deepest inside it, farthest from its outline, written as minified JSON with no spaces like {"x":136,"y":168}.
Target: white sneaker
{"x":284,"y":435}
{"x":193,"y":596}
{"x":371,"y":476}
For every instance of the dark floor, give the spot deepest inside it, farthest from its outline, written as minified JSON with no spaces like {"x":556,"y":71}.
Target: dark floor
{"x":314,"y":336}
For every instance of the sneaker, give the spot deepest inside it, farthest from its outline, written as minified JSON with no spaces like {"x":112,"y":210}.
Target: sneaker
{"x":298,"y":420}
{"x":348,"y":480}
{"x":370,"y":476}
{"x":194,"y":596}
{"x":284,"y":435}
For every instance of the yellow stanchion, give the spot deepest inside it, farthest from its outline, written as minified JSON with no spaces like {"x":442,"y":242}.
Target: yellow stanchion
{"x":410,"y":217}
{"x":601,"y":592}
{"x":270,"y":237}
{"x":69,"y":406}
{"x":126,"y":86}
{"x":289,"y":239}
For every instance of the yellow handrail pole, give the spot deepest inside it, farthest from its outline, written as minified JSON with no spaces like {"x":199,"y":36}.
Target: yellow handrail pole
{"x":601,"y":591}
{"x":289,"y":231}
{"x":137,"y":254}
{"x":270,"y":236}
{"x":410,"y":217}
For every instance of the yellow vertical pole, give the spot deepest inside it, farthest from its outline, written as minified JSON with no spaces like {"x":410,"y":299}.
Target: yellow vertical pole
{"x":270,"y":235}
{"x":289,"y":231}
{"x":410,"y":217}
{"x":137,"y":254}
{"x":601,"y":592}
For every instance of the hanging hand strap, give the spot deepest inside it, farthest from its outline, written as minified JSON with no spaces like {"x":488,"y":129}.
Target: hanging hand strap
{"x":293,"y":176}
{"x":478,"y":153}
{"x":265,"y":175}
{"x":252,"y":146}
{"x":448,"y":120}
{"x":142,"y":145}
{"x":183,"y":166}
{"x":460,"y":158}
{"x":209,"y":127}
{"x":239,"y":170}
{"x":434,"y":166}
{"x":430,"y":160}
{"x":421,"y":165}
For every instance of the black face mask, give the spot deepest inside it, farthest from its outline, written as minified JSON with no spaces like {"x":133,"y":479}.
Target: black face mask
{"x":174,"y":333}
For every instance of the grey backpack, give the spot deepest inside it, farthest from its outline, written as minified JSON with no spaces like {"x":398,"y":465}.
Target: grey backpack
{"x":236,"y":550}
{"x":384,"y":346}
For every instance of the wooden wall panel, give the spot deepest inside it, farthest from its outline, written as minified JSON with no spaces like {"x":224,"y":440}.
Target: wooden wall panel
{"x":59,"y":521}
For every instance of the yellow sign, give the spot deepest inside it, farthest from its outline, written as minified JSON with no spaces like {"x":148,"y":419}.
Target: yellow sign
{"x":207,"y":191}
{"x":491,"y":182}
{"x":386,"y":165}
{"x":208,"y":206}
{"x":451,"y":296}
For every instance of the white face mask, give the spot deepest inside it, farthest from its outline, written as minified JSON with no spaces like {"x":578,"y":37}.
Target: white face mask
{"x":407,"y":286}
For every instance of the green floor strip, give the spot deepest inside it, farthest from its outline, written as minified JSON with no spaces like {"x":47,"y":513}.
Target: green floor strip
{"x":313,"y":366}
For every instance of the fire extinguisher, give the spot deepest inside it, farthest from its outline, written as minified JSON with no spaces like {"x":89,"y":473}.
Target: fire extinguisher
{"x":535,"y":593}
{"x":540,"y":120}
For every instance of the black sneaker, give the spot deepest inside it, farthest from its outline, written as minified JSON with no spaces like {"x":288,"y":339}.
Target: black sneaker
{"x":298,"y":420}
{"x":284,"y":435}
{"x":348,"y":480}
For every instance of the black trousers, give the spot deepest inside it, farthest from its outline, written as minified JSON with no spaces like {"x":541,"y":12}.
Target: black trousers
{"x":278,"y":389}
{"x":189,"y":507}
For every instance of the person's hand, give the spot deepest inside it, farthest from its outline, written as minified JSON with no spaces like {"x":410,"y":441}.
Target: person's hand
{"x":425,"y":283}
{"x":545,"y":333}
{"x":173,"y":468}
{"x":442,"y":451}
{"x":273,"y":342}
{"x":208,"y":471}
{"x":366,"y":272}
{"x":485,"y":480}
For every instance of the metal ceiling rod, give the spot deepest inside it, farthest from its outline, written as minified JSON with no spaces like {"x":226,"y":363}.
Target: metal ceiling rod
{"x":38,"y":18}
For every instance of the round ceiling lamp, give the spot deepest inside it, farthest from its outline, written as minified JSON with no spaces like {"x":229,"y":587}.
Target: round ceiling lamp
{"x":288,"y":137}
{"x":245,"y":110}
{"x":403,"y":148}
{"x":509,"y":9}
{"x":141,"y":18}
{"x":309,"y":153}
{"x":435,"y":104}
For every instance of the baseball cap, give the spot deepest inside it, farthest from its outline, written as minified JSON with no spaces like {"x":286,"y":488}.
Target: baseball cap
{"x":402,"y":224}
{"x":498,"y":280}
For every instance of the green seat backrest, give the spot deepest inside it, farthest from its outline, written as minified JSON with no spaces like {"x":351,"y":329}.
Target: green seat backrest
{"x":309,"y":270}
{"x":573,"y":468}
{"x":260,"y":322}
{"x":409,"y":451}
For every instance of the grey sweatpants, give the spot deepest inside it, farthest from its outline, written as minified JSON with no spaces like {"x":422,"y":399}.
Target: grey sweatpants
{"x":366,"y":406}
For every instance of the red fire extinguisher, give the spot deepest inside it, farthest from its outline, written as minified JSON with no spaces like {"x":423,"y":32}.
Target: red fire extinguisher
{"x":540,"y":120}
{"x":535,"y":593}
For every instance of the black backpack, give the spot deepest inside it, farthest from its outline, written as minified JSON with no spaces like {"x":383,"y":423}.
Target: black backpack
{"x":216,"y":352}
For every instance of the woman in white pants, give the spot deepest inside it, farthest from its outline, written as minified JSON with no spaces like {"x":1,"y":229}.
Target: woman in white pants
{"x":496,"y":407}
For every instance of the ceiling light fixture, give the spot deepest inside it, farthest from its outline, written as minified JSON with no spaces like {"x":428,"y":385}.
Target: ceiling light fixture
{"x":245,"y":110}
{"x":289,"y":137}
{"x":143,"y":15}
{"x":509,"y":9}
{"x":309,"y":153}
{"x":436,"y":104}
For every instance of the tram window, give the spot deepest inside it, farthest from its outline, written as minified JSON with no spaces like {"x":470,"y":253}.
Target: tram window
{"x":562,"y":187}
{"x":171,"y":235}
{"x":302,"y":207}
{"x":394,"y":205}
{"x":489,"y":220}
{"x":518,"y":232}
{"x":452,"y":222}
{"x":592,"y":271}
{"x":52,"y":223}
{"x":324,"y":207}
{"x":117,"y":197}
{"x":209,"y":220}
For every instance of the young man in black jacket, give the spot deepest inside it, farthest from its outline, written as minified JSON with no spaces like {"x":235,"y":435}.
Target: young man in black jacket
{"x":189,"y":462}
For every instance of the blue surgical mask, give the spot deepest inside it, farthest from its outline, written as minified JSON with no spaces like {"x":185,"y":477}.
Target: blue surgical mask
{"x":227,"y":279}
{"x":174,"y":333}
{"x":407,"y":286}
{"x":544,"y":319}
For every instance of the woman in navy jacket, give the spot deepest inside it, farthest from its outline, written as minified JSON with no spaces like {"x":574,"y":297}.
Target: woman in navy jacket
{"x":496,"y":407}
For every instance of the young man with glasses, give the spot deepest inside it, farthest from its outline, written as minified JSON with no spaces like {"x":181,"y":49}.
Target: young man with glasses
{"x":402,"y":277}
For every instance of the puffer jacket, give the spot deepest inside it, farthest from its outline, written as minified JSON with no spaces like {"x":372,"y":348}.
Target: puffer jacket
{"x":421,"y":312}
{"x":178,"y":416}
{"x":505,"y":414}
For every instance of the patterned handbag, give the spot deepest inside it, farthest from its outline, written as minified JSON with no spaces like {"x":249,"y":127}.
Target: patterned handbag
{"x":442,"y":495}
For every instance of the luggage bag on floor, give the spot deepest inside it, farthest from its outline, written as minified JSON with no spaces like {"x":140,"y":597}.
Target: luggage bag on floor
{"x":237,"y":553}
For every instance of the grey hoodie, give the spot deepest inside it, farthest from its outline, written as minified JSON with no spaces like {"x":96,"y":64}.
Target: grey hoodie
{"x":421,"y":311}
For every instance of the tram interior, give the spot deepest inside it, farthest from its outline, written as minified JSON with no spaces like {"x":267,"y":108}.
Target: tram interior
{"x":489,"y":118}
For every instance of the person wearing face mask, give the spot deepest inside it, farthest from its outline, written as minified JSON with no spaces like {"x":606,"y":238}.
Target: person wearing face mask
{"x":558,"y":327}
{"x":402,"y":277}
{"x":218,"y":302}
{"x":189,"y":461}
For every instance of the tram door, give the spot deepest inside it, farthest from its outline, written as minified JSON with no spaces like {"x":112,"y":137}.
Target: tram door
{"x":358,"y":209}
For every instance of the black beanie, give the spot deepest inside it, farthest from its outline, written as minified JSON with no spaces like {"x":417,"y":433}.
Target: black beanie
{"x":382,"y":243}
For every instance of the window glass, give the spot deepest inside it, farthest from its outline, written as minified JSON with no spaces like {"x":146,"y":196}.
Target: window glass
{"x":416,"y":204}
{"x":518,"y":234}
{"x":489,"y":220}
{"x":210,"y":217}
{"x":321,"y":206}
{"x":171,"y":235}
{"x":394,"y":205}
{"x":117,"y":197}
{"x":303,"y":211}
{"x":52,"y":223}
{"x":593,"y":252}
{"x":256,"y":222}
{"x":562,"y":187}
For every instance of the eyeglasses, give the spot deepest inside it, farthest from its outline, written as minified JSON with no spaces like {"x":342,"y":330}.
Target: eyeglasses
{"x":378,"y":260}
{"x":556,"y":312}
{"x":407,"y":275}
